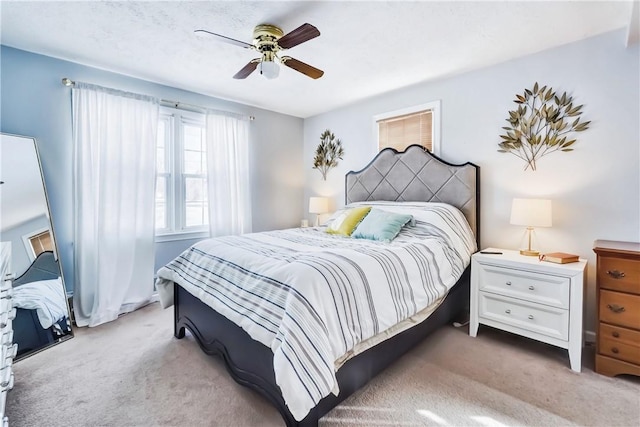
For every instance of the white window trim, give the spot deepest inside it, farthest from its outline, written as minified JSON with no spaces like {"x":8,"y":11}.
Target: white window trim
{"x":26,"y":239}
{"x":175,"y":191}
{"x":181,"y":235}
{"x":434,"y":106}
{"x":168,"y":118}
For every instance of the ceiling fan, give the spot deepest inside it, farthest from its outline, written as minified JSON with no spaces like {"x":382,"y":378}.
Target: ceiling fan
{"x":269,"y":41}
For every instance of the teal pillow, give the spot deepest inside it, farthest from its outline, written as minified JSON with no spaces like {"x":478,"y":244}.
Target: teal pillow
{"x":381,"y":225}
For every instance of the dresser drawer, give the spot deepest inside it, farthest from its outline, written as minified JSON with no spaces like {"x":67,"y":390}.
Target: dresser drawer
{"x":534,"y":287}
{"x":10,"y":352}
{"x":541,"y":319}
{"x":7,"y":336}
{"x":619,"y":334}
{"x":619,"y":350}
{"x":7,"y":328}
{"x":6,"y":304}
{"x":6,"y":377}
{"x":619,"y":274}
{"x":621,"y":309}
{"x":6,"y":318}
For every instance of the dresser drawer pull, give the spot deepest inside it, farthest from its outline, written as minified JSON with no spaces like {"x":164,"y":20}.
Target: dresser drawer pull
{"x":615,"y":308}
{"x":508,"y":283}
{"x":615,"y":334}
{"x":614,"y":350}
{"x":507,"y":311}
{"x":615,"y":274}
{"x":531,"y":317}
{"x":531,"y":287}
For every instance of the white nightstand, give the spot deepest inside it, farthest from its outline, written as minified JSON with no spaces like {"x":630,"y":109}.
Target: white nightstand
{"x":536,"y":299}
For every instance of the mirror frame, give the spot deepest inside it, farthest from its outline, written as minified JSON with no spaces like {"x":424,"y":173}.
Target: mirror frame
{"x":56,"y":252}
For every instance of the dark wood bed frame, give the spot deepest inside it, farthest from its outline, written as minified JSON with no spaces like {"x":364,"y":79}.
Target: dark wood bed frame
{"x":250,"y":363}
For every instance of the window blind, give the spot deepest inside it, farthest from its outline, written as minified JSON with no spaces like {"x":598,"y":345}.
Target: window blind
{"x":41,"y":242}
{"x":402,"y":131}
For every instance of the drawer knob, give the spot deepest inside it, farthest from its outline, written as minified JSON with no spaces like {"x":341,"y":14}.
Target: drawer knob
{"x":615,"y":308}
{"x":508,"y":311}
{"x":508,"y":283}
{"x":531,"y":287}
{"x":615,"y":334}
{"x":531,"y":317}
{"x":615,"y":274}
{"x":615,"y":350}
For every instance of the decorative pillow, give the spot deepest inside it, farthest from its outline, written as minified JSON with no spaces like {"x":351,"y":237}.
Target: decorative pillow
{"x":347,"y":221}
{"x":381,"y":225}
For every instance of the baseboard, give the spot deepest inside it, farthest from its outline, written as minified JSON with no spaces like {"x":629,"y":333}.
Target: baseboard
{"x":589,"y":337}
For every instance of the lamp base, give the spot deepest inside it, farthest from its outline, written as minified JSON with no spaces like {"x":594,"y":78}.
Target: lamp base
{"x":529,"y":252}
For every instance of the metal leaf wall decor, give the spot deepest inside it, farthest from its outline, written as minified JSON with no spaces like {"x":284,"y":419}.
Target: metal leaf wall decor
{"x":327,"y":153}
{"x":542,"y":124}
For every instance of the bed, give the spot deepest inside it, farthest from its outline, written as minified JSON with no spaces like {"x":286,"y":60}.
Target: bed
{"x":41,"y":306}
{"x":254,"y":355}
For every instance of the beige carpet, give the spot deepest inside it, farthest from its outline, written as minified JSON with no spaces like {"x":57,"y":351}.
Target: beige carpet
{"x":132,"y":372}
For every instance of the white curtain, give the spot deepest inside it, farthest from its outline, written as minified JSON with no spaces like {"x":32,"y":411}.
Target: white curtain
{"x":114,"y":136}
{"x":228,"y":174}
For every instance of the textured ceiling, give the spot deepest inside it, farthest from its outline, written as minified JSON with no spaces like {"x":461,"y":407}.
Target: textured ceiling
{"x":365,"y":48}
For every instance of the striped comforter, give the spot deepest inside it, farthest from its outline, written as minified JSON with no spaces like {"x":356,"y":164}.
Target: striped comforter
{"x":311,"y":296}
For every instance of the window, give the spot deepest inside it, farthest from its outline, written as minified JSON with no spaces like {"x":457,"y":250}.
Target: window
{"x":415,"y":125}
{"x":37,"y":242}
{"x":182,"y":208}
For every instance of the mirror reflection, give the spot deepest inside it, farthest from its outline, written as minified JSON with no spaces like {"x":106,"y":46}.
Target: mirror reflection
{"x":28,"y":247}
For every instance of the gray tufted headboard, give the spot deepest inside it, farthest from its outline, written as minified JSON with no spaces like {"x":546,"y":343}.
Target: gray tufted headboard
{"x":416,"y":175}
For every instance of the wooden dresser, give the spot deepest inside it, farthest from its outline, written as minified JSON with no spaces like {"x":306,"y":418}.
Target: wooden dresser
{"x":618,"y":301}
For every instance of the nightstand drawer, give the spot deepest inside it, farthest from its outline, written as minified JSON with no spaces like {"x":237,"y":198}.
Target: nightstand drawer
{"x":541,"y":319}
{"x":619,"y":274}
{"x":542,"y":288}
{"x":618,"y":308}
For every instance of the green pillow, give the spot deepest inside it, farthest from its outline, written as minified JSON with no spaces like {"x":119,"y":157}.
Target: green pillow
{"x":381,"y":225}
{"x":347,"y":221}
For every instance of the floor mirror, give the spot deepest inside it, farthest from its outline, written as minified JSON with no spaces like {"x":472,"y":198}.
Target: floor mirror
{"x":38,"y":293}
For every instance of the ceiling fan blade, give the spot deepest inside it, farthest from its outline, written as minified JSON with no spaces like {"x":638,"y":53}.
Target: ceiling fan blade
{"x":303,"y":33}
{"x":226,"y":39}
{"x":301,"y":67}
{"x":247,"y":69}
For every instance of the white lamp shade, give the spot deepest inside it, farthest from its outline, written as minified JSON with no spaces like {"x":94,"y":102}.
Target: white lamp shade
{"x":269,"y":69}
{"x":318,"y":205}
{"x":531,"y":212}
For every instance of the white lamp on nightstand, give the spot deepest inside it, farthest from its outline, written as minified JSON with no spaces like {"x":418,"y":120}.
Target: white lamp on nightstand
{"x":318,"y":206}
{"x":531,"y":213}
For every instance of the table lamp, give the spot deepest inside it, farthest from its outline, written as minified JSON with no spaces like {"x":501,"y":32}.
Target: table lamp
{"x":318,"y":206}
{"x":531,"y":213}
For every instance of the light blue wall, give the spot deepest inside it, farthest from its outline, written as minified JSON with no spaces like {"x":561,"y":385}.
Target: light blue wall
{"x":35,"y":103}
{"x":595,"y":189}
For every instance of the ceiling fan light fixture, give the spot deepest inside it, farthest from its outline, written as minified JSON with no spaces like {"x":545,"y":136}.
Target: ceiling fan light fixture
{"x":269,"y":69}
{"x":269,"y":40}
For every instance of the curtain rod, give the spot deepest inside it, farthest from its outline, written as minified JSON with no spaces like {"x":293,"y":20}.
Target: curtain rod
{"x":167,"y":103}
